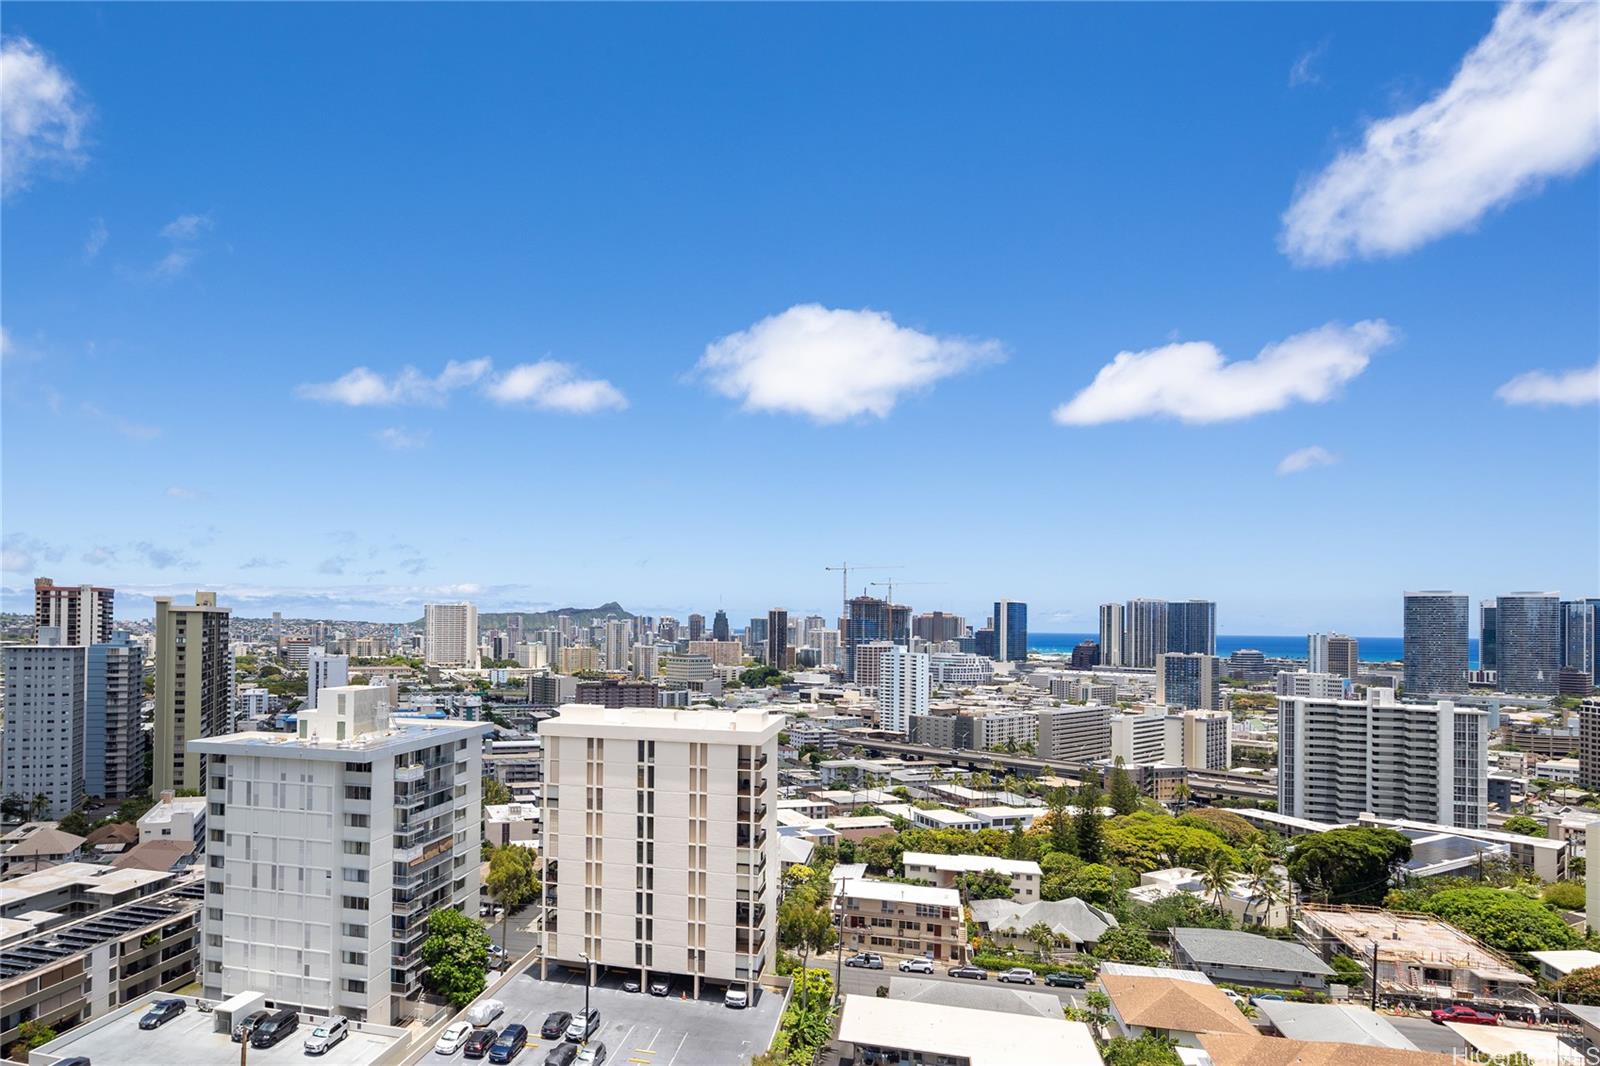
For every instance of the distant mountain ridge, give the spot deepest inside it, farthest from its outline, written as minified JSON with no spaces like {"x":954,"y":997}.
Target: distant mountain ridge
{"x":544,"y":619}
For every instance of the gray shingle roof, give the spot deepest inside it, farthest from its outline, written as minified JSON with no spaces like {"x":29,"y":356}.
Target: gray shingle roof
{"x":1229,"y":948}
{"x":1074,"y":917}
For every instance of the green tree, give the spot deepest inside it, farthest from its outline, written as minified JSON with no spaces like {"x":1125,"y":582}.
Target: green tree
{"x":1507,"y":921}
{"x":1216,"y":877}
{"x":1267,"y":886}
{"x":512,"y":881}
{"x":1123,"y":793}
{"x":30,"y":1034}
{"x":1565,"y":895}
{"x":75,"y":823}
{"x":1349,"y":865}
{"x":1146,"y":841}
{"x":494,"y":792}
{"x":14,"y":807}
{"x":1347,"y":971}
{"x":1580,"y":986}
{"x":1018,"y":846}
{"x":1522,"y":823}
{"x":1128,"y":943}
{"x":40,"y":806}
{"x":1234,"y":830}
{"x":1092,"y":883}
{"x":1062,"y":837}
{"x":804,"y":926}
{"x":1151,"y":1049}
{"x":1090,"y":824}
{"x":1043,"y":938}
{"x":456,"y":954}
{"x":984,"y":884}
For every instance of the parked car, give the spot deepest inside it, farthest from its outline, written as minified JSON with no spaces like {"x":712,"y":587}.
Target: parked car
{"x":555,"y":1024}
{"x":1464,"y":1014}
{"x":737,"y":998}
{"x":478,"y":1044}
{"x":241,"y":1032}
{"x":1233,"y":997}
{"x":274,"y":1029}
{"x":451,"y":1039}
{"x":498,"y":957}
{"x":76,"y":1060}
{"x":630,"y":984}
{"x":327,"y":1034}
{"x":561,"y":1055}
{"x":869,"y":960}
{"x":161,"y":1012}
{"x":1019,"y":975}
{"x":592,"y":1055}
{"x":513,"y":1038}
{"x":976,"y":973}
{"x":583,"y":1024}
{"x":1063,"y":979}
{"x":1266,"y":997}
{"x":661,"y":986}
{"x":916,"y":966}
{"x":485,"y":1011}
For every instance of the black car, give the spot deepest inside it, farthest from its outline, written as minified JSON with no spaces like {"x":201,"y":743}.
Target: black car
{"x":561,"y":1055}
{"x":478,"y":1044}
{"x":1062,"y":979}
{"x":76,"y":1060}
{"x":251,"y":1020}
{"x":274,"y":1029}
{"x":513,"y":1038}
{"x":161,"y":1012}
{"x":974,"y":973}
{"x":555,"y":1025}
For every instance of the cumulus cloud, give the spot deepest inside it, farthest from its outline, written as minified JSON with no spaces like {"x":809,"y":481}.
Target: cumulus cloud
{"x":42,"y":116}
{"x":1306,"y":459}
{"x":1521,"y":109}
{"x":362,"y":387}
{"x":334,"y":564}
{"x":1563,"y":388}
{"x":554,"y":386}
{"x":401,"y":440}
{"x":1193,"y":382}
{"x":100,"y":555}
{"x":832,"y":364}
{"x":20,"y":553}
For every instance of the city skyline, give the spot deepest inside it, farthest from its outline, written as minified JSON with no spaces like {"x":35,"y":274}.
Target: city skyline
{"x":1019,"y":264}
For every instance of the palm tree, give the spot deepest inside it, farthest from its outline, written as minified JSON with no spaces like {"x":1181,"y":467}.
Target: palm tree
{"x":1180,"y":794}
{"x":1266,"y":886}
{"x":1043,"y":937}
{"x":1216,"y":877}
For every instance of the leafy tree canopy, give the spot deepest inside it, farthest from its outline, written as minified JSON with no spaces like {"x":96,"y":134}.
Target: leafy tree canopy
{"x":1522,"y":823}
{"x":1145,"y":841}
{"x":1506,"y":921}
{"x":1354,"y":864}
{"x":456,"y":953}
{"x":1233,"y":829}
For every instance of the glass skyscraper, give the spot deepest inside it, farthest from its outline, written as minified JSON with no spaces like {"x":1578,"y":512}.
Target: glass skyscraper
{"x":1580,"y":640}
{"x":1488,"y":636}
{"x":1435,"y":643}
{"x":1192,"y":627}
{"x":1010,"y":631}
{"x":1528,"y":634}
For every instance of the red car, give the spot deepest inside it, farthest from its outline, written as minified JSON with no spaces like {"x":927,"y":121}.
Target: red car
{"x":1465,"y":1015}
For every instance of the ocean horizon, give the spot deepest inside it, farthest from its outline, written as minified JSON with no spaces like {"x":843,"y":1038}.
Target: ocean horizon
{"x":1370,"y":649}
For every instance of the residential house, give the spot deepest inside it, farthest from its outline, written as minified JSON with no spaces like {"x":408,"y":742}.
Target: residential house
{"x":1249,"y":959}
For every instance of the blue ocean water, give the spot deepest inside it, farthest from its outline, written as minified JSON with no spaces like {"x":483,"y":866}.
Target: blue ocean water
{"x":1372,"y":649}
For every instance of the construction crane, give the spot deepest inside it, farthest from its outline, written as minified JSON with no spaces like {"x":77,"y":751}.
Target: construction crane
{"x":844,"y":569}
{"x":891,"y":583}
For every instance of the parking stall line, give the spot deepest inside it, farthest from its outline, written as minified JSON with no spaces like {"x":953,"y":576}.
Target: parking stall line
{"x":679,"y":1050}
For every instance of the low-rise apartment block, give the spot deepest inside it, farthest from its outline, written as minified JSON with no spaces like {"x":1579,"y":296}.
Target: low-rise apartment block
{"x":899,"y":919}
{"x":943,"y":871}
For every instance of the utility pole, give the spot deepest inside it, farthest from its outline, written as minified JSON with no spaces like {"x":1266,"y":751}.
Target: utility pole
{"x":1374,"y":975}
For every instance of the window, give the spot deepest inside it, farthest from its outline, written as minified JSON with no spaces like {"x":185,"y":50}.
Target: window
{"x":357,"y":847}
{"x":354,"y":958}
{"x":350,"y":984}
{"x":356,"y":903}
{"x":350,"y":929}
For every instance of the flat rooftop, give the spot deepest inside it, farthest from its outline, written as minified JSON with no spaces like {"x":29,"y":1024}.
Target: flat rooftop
{"x":982,"y":1037}
{"x":748,"y":726}
{"x":1402,"y":937}
{"x":895,"y":892}
{"x":970,"y":863}
{"x":101,"y":880}
{"x":191,"y":1039}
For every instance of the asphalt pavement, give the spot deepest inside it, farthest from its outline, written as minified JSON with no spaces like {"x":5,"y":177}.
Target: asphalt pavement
{"x":862,"y":982}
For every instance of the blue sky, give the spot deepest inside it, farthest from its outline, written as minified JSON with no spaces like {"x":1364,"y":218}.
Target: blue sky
{"x":736,"y":292}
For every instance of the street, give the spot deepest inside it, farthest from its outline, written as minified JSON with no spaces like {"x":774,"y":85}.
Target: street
{"x":862,"y":982}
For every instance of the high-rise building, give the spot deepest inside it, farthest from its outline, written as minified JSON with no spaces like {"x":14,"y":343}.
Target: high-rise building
{"x":614,"y":692}
{"x":1085,"y":655}
{"x":646,"y":661}
{"x":1146,"y":632}
{"x":1074,"y":733}
{"x":1528,"y":627}
{"x":579,"y":659}
{"x":1338,"y":759}
{"x":116,"y":751}
{"x":1112,"y":628}
{"x":1580,"y":621}
{"x":514,"y":635}
{"x":1192,"y":627}
{"x":697,"y":626}
{"x":719,"y":626}
{"x":660,"y":832}
{"x":329,"y":850}
{"x":1589,"y":745}
{"x":826,"y":641}
{"x":275,"y":630}
{"x":936,"y":627}
{"x":1189,"y":680}
{"x":1010,"y":631}
{"x":81,"y":614}
{"x":1200,"y":740}
{"x":778,"y":638}
{"x":616,"y":644}
{"x":1488,"y":635}
{"x":903,"y":683}
{"x":450,"y":635}
{"x":43,"y":741}
{"x":866,"y":621}
{"x":1333,"y":653}
{"x":194,"y":687}
{"x":1309,"y":685}
{"x":1435,"y":643}
{"x":325,"y":671}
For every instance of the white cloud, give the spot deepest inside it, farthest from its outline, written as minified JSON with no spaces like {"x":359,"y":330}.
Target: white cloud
{"x":8,"y":347}
{"x":1305,"y":459}
{"x":554,"y":386}
{"x":96,"y":241}
{"x":129,"y":429}
{"x":1304,"y":71}
{"x":1522,"y":108}
{"x":42,"y":116}
{"x":1193,"y":382}
{"x":178,"y":492}
{"x":362,"y":387}
{"x":1566,"y":388}
{"x":833,"y":364}
{"x":20,"y":553}
{"x":401,"y":439}
{"x":186,"y":227}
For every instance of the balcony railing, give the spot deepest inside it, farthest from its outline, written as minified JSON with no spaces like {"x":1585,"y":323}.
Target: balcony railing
{"x":410,"y":772}
{"x":748,"y":914}
{"x":752,"y":839}
{"x":759,"y":762}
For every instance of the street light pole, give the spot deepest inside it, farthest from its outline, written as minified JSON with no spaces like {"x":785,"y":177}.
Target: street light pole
{"x":838,"y":961}
{"x":588,"y":979}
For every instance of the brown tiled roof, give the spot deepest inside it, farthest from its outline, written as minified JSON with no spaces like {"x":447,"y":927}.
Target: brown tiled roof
{"x":46,"y":842}
{"x":113,"y":833}
{"x":1227,"y":1049}
{"x":1177,"y":1006}
{"x":153,"y":855}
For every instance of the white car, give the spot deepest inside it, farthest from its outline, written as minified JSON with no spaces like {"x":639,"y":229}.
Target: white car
{"x":451,"y":1039}
{"x":917,"y":966}
{"x":591,"y":1055}
{"x":327,"y":1034}
{"x":485,"y":1011}
{"x":1233,"y":997}
{"x":736,"y":998}
{"x":1019,"y":975}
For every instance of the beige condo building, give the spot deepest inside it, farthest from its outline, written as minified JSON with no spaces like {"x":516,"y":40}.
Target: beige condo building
{"x":194,"y":679}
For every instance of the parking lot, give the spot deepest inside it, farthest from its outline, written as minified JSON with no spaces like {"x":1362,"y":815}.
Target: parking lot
{"x":640,"y":1029}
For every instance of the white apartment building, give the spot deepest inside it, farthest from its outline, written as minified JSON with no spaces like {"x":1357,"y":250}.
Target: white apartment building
{"x":1080,"y":733}
{"x":902,"y":688}
{"x":1083,"y":690}
{"x":252,"y":701}
{"x":1200,"y":740}
{"x":534,"y":656}
{"x":43,"y":739}
{"x":943,"y":871}
{"x":324,"y":671}
{"x":450,"y":635}
{"x":1338,"y":759}
{"x":175,"y":818}
{"x":688,"y":669}
{"x":1140,"y":739}
{"x":1307,"y":684}
{"x":660,"y":840}
{"x":1112,"y":628}
{"x":959,"y":669}
{"x":328,"y":850}
{"x":615,"y":640}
